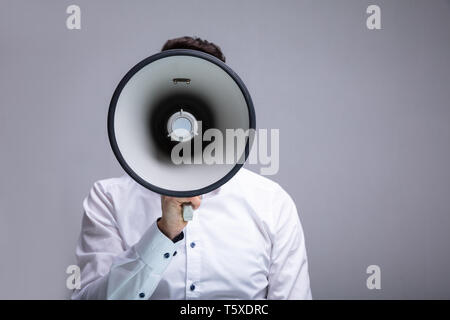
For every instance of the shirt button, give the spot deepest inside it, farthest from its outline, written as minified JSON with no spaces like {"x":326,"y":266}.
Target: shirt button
{"x":141,"y":295}
{"x":174,"y":253}
{"x":166,"y":255}
{"x":192,"y":287}
{"x":192,"y":244}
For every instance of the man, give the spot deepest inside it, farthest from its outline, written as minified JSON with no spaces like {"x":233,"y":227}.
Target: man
{"x":245,"y":241}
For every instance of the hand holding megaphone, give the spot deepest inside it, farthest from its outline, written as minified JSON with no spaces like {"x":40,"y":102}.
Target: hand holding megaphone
{"x":173,"y":218}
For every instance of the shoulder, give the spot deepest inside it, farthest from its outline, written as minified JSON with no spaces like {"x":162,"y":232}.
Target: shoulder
{"x":265,"y":200}
{"x":118,"y":187}
{"x":260,"y":190}
{"x":253,"y":182}
{"x":108,"y":183}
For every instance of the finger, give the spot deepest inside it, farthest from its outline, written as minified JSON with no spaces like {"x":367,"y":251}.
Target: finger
{"x":175,"y":199}
{"x":195,"y":202}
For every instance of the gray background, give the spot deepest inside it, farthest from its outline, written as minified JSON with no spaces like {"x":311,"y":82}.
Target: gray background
{"x":364,"y":118}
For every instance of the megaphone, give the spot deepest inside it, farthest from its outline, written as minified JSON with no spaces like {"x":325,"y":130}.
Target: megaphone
{"x":172,"y":98}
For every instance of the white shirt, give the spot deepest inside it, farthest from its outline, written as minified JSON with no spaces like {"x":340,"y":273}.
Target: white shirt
{"x":245,"y":242}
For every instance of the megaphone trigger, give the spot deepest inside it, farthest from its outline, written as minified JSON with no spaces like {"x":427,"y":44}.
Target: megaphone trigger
{"x":188,"y":212}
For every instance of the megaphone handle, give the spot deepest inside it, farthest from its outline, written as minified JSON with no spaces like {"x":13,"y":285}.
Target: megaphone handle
{"x":188,"y":212}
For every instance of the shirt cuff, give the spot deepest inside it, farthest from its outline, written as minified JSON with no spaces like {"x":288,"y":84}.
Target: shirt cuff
{"x":155,"y":249}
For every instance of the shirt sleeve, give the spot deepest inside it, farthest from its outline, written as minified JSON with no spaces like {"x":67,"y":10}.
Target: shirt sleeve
{"x":108,"y":270}
{"x":288,"y":274}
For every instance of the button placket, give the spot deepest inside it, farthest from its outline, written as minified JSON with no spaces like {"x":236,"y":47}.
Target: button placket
{"x":193,"y":260}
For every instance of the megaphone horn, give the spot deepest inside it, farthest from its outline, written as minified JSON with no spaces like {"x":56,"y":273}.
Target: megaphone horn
{"x":170,"y":98}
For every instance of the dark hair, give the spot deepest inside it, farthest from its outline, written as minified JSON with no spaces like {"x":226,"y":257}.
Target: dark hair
{"x":194,"y":44}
